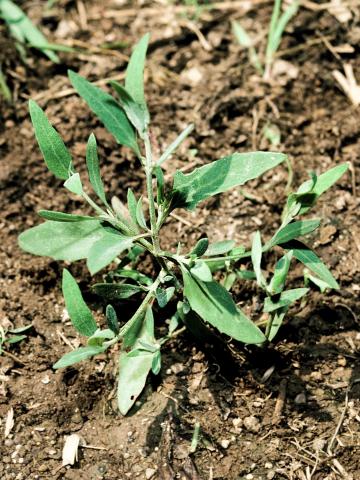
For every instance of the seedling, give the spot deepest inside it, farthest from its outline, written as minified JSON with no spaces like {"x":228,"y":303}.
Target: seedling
{"x":11,"y":336}
{"x":277,"y":27}
{"x":25,"y":32}
{"x":124,"y":232}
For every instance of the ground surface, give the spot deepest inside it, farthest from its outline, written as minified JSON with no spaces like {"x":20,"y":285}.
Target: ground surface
{"x":289,"y":412}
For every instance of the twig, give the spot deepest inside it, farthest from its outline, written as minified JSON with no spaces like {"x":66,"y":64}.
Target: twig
{"x":280,"y":402}
{"x":13,"y":357}
{"x":339,"y":425}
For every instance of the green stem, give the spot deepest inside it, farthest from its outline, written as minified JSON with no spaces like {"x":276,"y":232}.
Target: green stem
{"x":150,"y":192}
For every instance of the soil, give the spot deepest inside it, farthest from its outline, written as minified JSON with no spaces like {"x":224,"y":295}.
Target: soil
{"x":286,"y":412}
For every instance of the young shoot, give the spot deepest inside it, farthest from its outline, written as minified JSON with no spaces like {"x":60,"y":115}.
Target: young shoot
{"x":116,"y":235}
{"x":263,"y":62}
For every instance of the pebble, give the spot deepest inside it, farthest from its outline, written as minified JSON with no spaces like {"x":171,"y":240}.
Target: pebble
{"x":252,"y":424}
{"x":300,"y":399}
{"x":225,"y":443}
{"x":149,"y":473}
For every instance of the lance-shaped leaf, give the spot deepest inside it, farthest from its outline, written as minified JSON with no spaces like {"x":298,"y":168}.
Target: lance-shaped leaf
{"x":163,"y":296}
{"x":292,"y":231}
{"x":79,"y":313}
{"x":278,"y":280}
{"x":107,"y":110}
{"x":100,"y":336}
{"x":78,"y":355}
{"x":116,"y":291}
{"x":55,"y":153}
{"x":213,"y":303}
{"x":74,"y":184}
{"x":133,"y":370}
{"x":256,"y":254}
{"x":137,"y":113}
{"x":200,"y":247}
{"x":277,"y":318}
{"x":306,"y":256}
{"x":286,"y":299}
{"x":201,"y":271}
{"x":105,"y":250}
{"x":62,"y":240}
{"x":63,"y":217}
{"x":112,"y":319}
{"x":134,"y":79}
{"x":92,"y":162}
{"x":221,"y":175}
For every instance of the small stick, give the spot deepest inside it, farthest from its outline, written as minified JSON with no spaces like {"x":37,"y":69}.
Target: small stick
{"x":13,"y":357}
{"x":339,"y":425}
{"x":280,"y":402}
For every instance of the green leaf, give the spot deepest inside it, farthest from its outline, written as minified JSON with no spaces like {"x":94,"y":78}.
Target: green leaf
{"x":160,"y":180}
{"x":164,"y":295}
{"x":80,"y":314}
{"x":116,"y":291}
{"x":132,"y":205}
{"x":221,"y":175}
{"x":306,"y":256}
{"x":55,"y":153}
{"x":100,"y":336}
{"x":112,"y":319}
{"x":200,"y":248}
{"x":256,"y":254}
{"x":105,"y":250}
{"x":78,"y":355}
{"x":286,"y":299}
{"x":291,"y":231}
{"x":63,"y":217}
{"x":137,"y":113}
{"x":134,"y":79}
{"x":276,"y":322}
{"x":74,"y":185}
{"x":22,"y":28}
{"x":107,"y":110}
{"x":278,"y":280}
{"x":15,"y":339}
{"x":92,"y":162}
{"x":156,"y":363}
{"x":316,"y":281}
{"x":140,"y":214}
{"x":21,"y":329}
{"x":219,"y":248}
{"x":241,"y":35}
{"x":133,"y":274}
{"x":62,"y":240}
{"x":201,"y":271}
{"x":214,"y":304}
{"x":133,"y":372}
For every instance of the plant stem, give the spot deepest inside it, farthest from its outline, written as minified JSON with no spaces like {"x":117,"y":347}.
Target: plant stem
{"x":150,"y":193}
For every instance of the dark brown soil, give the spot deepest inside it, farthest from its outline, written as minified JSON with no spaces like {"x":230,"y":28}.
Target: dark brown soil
{"x":289,"y":412}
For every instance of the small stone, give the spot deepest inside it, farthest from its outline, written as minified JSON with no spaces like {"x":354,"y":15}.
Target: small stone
{"x":126,"y":455}
{"x":249,"y":476}
{"x":270,"y":475}
{"x":300,"y":399}
{"x":342,"y":361}
{"x":225,"y":443}
{"x":43,"y":468}
{"x":319,"y":444}
{"x":150,"y":472}
{"x":252,"y":424}
{"x":268,"y":465}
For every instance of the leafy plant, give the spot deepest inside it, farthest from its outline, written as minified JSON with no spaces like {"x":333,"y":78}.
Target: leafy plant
{"x":25,"y":32}
{"x":125,"y":232}
{"x":278,"y":23}
{"x":11,"y":336}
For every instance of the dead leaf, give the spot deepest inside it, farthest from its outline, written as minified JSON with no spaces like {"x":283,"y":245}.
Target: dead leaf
{"x":9,"y":422}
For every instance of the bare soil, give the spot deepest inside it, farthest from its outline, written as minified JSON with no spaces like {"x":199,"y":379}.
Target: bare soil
{"x":286,"y":412}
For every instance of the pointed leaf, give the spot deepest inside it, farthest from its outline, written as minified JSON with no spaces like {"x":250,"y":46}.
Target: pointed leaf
{"x":219,"y":248}
{"x":100,"y":336}
{"x":55,"y":153}
{"x":140,"y":214}
{"x":116,"y":291}
{"x":221,"y":175}
{"x":214,"y":304}
{"x":277,"y":283}
{"x":292,"y":231}
{"x":134,"y":80}
{"x":163,"y":296}
{"x":137,"y":113}
{"x":107,"y":110}
{"x":78,"y":355}
{"x":286,"y":299}
{"x":112,"y":319}
{"x":62,"y":240}
{"x":200,"y":248}
{"x":63,"y":217}
{"x":92,"y":162}
{"x":256,"y":254}
{"x":306,"y":256}
{"x":276,"y":322}
{"x":79,"y":313}
{"x":175,"y":144}
{"x":201,"y":271}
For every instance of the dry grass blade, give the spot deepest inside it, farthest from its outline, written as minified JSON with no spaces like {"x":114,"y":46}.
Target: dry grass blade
{"x":348,"y":84}
{"x":9,"y":422}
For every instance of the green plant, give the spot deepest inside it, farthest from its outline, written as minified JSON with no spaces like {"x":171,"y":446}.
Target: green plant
{"x":277,"y":27}
{"x":116,"y":230}
{"x":11,"y":336}
{"x":25,"y":32}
